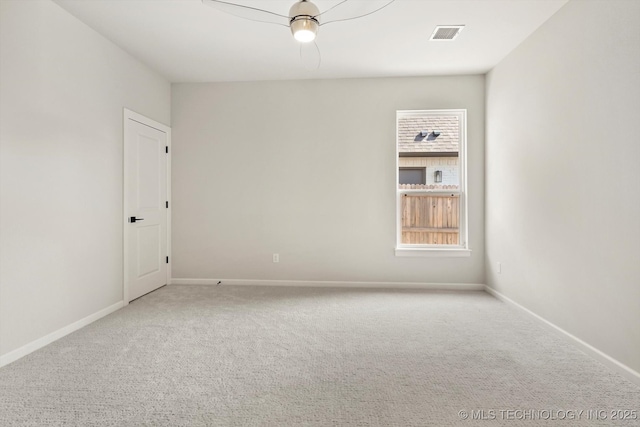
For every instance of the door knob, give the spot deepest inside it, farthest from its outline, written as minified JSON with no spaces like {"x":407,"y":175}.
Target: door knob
{"x":134,"y":219}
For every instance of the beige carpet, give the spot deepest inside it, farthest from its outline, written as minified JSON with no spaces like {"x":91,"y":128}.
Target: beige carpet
{"x":281,"y":356}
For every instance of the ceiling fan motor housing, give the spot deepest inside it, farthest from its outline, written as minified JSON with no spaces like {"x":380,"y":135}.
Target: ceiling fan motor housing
{"x":304,"y":22}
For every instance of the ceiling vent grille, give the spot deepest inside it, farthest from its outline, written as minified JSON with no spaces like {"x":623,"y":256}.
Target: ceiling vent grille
{"x":446,"y":32}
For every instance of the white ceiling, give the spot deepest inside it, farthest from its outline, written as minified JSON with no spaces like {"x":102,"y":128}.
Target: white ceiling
{"x":187,"y":41}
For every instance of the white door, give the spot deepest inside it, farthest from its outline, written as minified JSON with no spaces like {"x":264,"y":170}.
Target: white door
{"x":146,"y":205}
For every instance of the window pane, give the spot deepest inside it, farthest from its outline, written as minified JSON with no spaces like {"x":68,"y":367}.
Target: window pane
{"x":431,"y":144}
{"x":430,"y":150}
{"x":412,"y":176}
{"x":430,"y":219}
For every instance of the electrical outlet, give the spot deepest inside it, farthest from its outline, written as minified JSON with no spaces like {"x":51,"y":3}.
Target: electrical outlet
{"x":276,"y":257}
{"x":499,"y":267}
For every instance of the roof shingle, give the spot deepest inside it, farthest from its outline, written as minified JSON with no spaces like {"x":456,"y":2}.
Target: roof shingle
{"x":410,"y":140}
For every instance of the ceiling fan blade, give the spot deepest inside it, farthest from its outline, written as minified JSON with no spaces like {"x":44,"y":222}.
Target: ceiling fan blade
{"x":246,"y":11}
{"x":310,"y":56}
{"x":347,"y":10}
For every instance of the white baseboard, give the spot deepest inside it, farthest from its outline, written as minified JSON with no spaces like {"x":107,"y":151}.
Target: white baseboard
{"x":603,"y":358}
{"x":334,"y":284}
{"x":56,"y":335}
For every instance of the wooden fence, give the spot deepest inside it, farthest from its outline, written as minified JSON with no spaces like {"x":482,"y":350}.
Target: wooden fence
{"x":430,"y":219}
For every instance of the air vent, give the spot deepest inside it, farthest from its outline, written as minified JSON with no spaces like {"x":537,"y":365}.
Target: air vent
{"x":446,"y":32}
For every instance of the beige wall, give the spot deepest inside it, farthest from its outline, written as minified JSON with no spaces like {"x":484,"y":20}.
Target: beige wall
{"x":563,"y":198}
{"x":306,"y":169}
{"x":62,"y":91}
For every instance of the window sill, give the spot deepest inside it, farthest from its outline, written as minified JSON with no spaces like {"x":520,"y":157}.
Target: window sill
{"x":433,"y":252}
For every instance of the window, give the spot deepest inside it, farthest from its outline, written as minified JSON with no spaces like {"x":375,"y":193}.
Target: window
{"x":431,"y":171}
{"x":412,"y":175}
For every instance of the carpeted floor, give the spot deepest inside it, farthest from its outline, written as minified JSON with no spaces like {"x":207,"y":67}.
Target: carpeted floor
{"x":281,"y":356}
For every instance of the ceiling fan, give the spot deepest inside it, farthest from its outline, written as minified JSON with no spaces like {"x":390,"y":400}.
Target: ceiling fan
{"x":304,"y":18}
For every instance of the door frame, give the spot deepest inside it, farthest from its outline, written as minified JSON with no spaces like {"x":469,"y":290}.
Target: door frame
{"x":136,"y":117}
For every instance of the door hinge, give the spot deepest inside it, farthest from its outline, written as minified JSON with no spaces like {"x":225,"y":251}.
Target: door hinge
{"x":166,"y":149}
{"x":167,"y":260}
{"x":167,"y":204}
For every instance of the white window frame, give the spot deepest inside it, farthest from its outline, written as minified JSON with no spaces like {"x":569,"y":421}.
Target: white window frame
{"x":418,"y":250}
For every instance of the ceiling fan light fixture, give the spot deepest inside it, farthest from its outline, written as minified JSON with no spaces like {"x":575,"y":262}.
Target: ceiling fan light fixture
{"x":304,"y":29}
{"x":303,"y":21}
